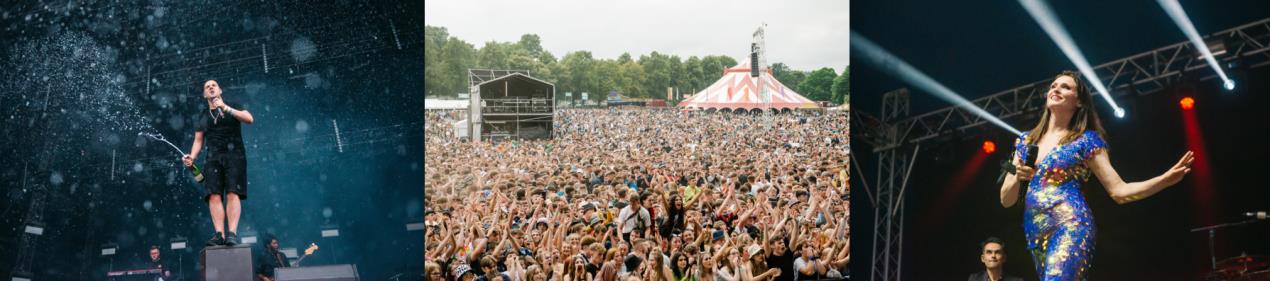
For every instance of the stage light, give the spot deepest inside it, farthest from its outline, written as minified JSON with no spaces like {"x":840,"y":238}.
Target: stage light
{"x":249,"y":237}
{"x":1187,"y":103}
{"x":178,"y":243}
{"x":330,"y":231}
{"x":1175,"y":11}
{"x":21,"y":276}
{"x":109,"y":249}
{"x":34,"y":228}
{"x":888,"y":63}
{"x":1052,"y":26}
{"x":989,"y":147}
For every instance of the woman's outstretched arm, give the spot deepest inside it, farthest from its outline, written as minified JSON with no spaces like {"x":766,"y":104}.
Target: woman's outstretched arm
{"x":1123,"y":192}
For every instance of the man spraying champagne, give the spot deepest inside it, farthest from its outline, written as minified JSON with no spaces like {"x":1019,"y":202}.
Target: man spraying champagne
{"x":225,"y":167}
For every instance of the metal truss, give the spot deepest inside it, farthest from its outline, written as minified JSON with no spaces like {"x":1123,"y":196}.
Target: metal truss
{"x":1140,"y":74}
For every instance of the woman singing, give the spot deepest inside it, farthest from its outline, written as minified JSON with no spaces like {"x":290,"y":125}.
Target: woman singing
{"x":1057,"y":221}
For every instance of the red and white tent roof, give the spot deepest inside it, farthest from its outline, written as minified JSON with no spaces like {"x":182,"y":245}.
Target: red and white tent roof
{"x":737,"y":90}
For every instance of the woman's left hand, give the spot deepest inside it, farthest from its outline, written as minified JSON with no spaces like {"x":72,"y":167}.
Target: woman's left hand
{"x":1175,"y":174}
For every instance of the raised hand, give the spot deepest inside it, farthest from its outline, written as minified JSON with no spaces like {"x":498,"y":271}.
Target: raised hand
{"x":1175,"y":173}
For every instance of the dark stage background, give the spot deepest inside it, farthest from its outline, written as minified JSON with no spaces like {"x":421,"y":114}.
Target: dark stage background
{"x":335,"y":88}
{"x":978,"y":49}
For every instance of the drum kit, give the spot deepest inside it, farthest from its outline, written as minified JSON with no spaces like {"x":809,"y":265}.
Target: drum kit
{"x":1241,"y":268}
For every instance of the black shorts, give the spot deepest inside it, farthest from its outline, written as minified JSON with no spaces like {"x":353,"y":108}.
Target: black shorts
{"x":225,"y":174}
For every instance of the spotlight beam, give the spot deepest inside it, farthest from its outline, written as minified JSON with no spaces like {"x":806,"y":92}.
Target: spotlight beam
{"x":1052,"y":26}
{"x":888,"y":63}
{"x":1175,"y":11}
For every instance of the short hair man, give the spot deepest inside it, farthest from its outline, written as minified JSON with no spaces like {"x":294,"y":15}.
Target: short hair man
{"x":226,"y":162}
{"x":992,"y":254}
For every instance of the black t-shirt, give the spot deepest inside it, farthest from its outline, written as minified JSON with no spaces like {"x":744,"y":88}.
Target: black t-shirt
{"x":785,"y":263}
{"x":221,"y":135}
{"x":270,"y":260}
{"x":157,"y":265}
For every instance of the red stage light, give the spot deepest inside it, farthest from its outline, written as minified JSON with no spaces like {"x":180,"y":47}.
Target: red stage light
{"x":989,"y":147}
{"x":1187,"y":103}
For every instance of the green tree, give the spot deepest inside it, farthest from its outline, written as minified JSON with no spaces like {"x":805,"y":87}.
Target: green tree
{"x":605,"y":76}
{"x":446,"y":60}
{"x":842,"y":87}
{"x":696,"y":79}
{"x":577,"y":71}
{"x":631,"y":78}
{"x":624,"y":58}
{"x":712,"y":66}
{"x":678,"y":77}
{"x":818,"y":84}
{"x":532,"y":44}
{"x":788,"y":77}
{"x":660,"y":73}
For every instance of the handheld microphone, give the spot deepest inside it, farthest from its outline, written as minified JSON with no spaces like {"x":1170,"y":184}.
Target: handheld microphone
{"x":1032,"y":149}
{"x":1260,"y":215}
{"x":1008,"y":168}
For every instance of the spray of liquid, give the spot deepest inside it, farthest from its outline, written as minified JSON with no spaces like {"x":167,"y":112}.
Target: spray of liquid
{"x":159,"y":137}
{"x":198,"y":173}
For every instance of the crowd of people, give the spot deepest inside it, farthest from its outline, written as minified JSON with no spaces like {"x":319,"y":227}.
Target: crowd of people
{"x":642,"y":194}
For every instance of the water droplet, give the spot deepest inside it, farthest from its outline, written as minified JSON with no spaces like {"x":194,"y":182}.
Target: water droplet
{"x":301,"y":126}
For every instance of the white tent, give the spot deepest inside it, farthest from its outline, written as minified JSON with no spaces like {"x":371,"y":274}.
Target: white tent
{"x":737,"y":90}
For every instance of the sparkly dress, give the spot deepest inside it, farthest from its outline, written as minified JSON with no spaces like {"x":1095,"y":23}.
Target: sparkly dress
{"x":1056,"y":219}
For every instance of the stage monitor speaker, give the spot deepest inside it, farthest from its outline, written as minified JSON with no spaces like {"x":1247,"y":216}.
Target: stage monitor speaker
{"x":339,"y":272}
{"x":229,"y":263}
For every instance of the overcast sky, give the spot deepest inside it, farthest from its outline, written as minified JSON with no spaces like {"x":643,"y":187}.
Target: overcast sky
{"x":806,"y":35}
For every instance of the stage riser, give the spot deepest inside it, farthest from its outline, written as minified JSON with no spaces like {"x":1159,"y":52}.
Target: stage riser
{"x":339,"y":272}
{"x":226,"y":263}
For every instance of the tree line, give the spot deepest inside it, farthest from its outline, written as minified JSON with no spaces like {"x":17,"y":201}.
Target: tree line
{"x":447,"y":59}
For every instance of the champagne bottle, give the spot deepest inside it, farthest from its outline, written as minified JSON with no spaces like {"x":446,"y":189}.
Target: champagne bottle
{"x":198,"y":174}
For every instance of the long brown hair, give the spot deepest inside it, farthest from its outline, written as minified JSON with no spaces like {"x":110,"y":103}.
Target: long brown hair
{"x":1085,"y":118}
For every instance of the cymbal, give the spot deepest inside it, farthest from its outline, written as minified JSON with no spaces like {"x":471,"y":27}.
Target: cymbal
{"x":1237,"y":268}
{"x":1244,"y":262}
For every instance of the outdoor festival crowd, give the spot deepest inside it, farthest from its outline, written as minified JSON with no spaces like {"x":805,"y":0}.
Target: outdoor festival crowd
{"x":642,"y":194}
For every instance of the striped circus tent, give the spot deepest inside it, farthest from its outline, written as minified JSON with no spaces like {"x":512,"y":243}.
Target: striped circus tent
{"x":736,"y":90}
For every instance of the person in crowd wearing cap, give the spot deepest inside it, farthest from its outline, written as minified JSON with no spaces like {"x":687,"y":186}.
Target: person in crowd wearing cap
{"x":758,"y":264}
{"x":992,"y":255}
{"x":464,"y":273}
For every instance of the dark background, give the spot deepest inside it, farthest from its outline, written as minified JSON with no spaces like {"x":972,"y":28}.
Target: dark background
{"x":979,"y":48}
{"x":81,"y":80}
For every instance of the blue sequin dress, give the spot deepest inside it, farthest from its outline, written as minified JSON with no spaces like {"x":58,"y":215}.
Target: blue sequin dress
{"x":1057,"y":221}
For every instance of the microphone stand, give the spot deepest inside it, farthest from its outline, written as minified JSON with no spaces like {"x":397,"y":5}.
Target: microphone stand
{"x":1212,"y":232}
